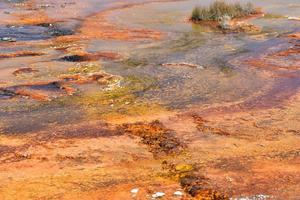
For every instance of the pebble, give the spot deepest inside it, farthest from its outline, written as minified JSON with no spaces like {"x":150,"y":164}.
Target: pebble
{"x":134,"y":191}
{"x":178,"y":193}
{"x":158,"y":195}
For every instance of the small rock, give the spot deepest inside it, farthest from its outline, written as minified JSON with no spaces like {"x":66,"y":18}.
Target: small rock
{"x":134,"y":191}
{"x":178,"y":193}
{"x":158,"y":195}
{"x":8,"y":39}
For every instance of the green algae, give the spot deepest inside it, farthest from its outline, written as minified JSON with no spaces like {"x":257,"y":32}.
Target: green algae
{"x":273,"y":16}
{"x":84,"y":68}
{"x":120,"y":100}
{"x":133,"y":62}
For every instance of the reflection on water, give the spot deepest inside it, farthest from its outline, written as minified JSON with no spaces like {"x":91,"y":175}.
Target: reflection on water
{"x":23,"y":33}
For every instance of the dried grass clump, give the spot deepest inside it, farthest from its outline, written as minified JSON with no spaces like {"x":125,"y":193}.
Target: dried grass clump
{"x":219,"y":9}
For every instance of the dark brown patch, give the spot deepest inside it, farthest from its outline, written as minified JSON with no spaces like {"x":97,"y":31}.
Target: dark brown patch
{"x":193,"y":183}
{"x":160,"y":140}
{"x":83,"y":57}
{"x":199,"y":187}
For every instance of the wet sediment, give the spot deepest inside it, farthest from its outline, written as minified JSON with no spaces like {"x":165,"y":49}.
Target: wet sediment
{"x":241,"y":149}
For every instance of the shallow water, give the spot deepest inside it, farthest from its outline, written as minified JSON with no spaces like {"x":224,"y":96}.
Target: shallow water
{"x":220,"y":80}
{"x":195,"y":44}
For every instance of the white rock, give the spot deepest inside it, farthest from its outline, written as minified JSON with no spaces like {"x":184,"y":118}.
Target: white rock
{"x":158,"y":195}
{"x":178,"y":193}
{"x":134,"y":191}
{"x":294,"y":18}
{"x":8,"y":39}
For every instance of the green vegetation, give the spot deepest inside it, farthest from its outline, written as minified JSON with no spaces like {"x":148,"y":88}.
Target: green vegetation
{"x":84,"y":69}
{"x":132,"y":62}
{"x":219,"y":9}
{"x":272,"y":16}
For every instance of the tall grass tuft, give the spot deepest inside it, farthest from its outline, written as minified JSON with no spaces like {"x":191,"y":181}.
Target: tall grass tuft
{"x":217,"y":10}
